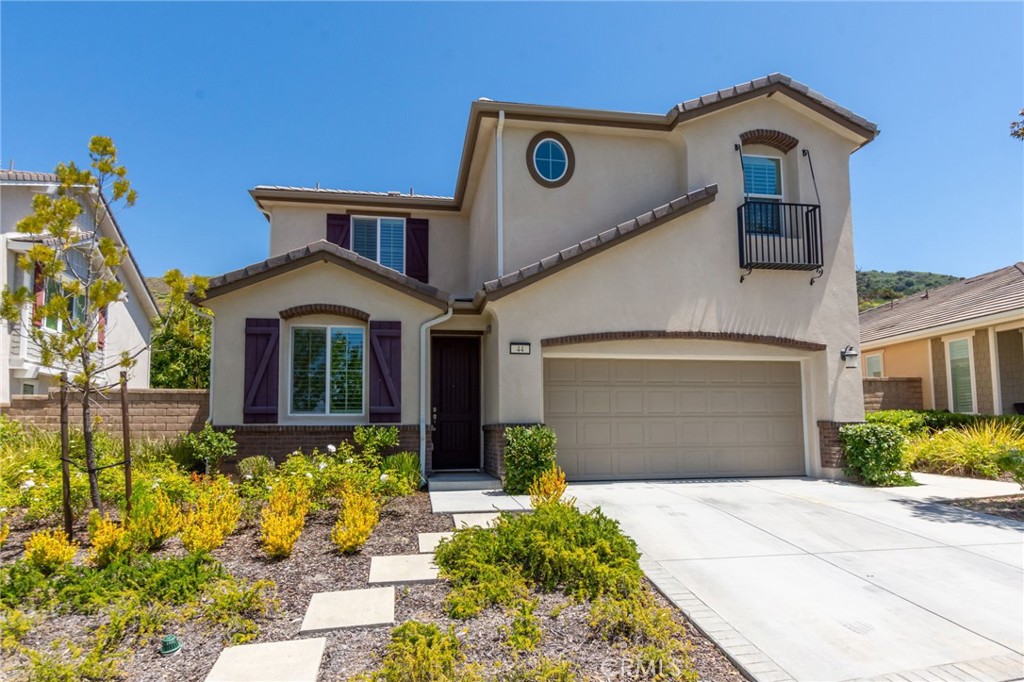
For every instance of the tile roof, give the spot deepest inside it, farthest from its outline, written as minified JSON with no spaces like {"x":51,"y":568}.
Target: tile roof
{"x":331,"y":253}
{"x":588,"y":247}
{"x":1001,"y":291}
{"x":26,"y":176}
{"x":774,"y":80}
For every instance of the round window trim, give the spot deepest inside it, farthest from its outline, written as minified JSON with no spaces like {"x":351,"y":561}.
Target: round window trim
{"x":570,"y":158}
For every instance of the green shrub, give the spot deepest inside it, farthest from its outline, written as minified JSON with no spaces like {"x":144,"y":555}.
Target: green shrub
{"x":256,"y":469}
{"x":910,"y":422}
{"x":235,"y":604}
{"x":874,"y":454}
{"x":555,"y":547}
{"x":211,"y":447}
{"x":1012,"y":463}
{"x":405,"y":466}
{"x":14,"y":625}
{"x":68,"y":662}
{"x":529,"y":452}
{"x":374,"y":442}
{"x":12,"y":433}
{"x":212,"y":516}
{"x":544,"y":670}
{"x":154,"y":518}
{"x":524,"y":633}
{"x":975,"y":450}
{"x":421,"y":652}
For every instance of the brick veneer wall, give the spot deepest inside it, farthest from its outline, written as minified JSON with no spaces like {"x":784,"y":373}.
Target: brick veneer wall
{"x":830,"y":448}
{"x":893,"y":393}
{"x":277,"y":441}
{"x":494,"y":448}
{"x":154,"y":413}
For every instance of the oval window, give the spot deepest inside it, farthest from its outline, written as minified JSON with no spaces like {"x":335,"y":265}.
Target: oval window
{"x":551,"y":159}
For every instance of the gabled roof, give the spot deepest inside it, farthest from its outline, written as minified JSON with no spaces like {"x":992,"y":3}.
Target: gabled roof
{"x":481,"y":109}
{"x":21,"y":177}
{"x":1001,"y":291}
{"x":502,"y":286}
{"x":329,"y":253}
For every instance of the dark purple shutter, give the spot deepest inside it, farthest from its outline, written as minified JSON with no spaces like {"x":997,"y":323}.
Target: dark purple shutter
{"x":262,"y":339}
{"x":385,"y":372}
{"x":39,"y":295}
{"x":417,"y":250}
{"x":339,"y":230}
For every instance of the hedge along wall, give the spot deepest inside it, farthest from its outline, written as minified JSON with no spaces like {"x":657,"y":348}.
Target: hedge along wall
{"x":154,"y":413}
{"x":895,"y":393}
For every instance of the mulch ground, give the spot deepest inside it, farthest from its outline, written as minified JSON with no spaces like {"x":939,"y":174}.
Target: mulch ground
{"x":1008,"y":506}
{"x":316,"y":567}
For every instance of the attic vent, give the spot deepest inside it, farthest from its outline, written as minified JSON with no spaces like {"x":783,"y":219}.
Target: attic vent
{"x":394,"y":193}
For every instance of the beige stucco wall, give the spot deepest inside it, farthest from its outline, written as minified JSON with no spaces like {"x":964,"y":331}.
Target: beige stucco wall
{"x":314,"y":283}
{"x":293,"y":226}
{"x":482,"y":202}
{"x":619,"y":174}
{"x":908,"y":359}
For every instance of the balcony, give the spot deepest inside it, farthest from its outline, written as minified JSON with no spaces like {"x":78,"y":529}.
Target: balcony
{"x":778,"y":236}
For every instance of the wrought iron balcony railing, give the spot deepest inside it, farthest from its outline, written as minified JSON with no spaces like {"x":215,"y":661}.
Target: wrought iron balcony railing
{"x":778,"y":236}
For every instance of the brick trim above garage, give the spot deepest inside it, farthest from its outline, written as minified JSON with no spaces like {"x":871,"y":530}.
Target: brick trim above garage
{"x":324,"y":309}
{"x":738,"y":337}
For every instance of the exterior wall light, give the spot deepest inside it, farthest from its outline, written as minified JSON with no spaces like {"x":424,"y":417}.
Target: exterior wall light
{"x":849,"y":355}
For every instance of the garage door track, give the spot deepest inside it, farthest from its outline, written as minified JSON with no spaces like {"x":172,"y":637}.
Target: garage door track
{"x":800,"y":579}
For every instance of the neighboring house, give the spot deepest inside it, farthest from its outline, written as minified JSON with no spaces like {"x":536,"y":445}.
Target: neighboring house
{"x":670,"y":292}
{"x":127,"y":325}
{"x":964,"y":340}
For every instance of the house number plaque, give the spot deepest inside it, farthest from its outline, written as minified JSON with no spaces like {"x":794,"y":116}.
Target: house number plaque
{"x":519,"y":348}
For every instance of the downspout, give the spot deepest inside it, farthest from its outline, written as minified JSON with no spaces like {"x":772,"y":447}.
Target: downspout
{"x":213,"y":336}
{"x":500,"y":182}
{"x":423,"y":385}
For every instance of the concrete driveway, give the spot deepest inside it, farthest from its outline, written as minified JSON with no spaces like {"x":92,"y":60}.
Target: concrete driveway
{"x":801,"y":579}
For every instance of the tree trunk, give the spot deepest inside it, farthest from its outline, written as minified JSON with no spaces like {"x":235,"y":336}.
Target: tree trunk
{"x":90,"y":448}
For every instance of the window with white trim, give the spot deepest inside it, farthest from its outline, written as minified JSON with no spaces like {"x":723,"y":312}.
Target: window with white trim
{"x":76,"y":306}
{"x":873,"y":365}
{"x":381,"y":240}
{"x":327,"y":370}
{"x":762,"y":184}
{"x":960,"y":365}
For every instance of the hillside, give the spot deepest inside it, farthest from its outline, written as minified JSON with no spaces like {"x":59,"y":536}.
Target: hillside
{"x":159,"y":289}
{"x":875,"y":287}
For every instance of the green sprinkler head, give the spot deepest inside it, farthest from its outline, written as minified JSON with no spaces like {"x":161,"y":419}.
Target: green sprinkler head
{"x":169,"y":646}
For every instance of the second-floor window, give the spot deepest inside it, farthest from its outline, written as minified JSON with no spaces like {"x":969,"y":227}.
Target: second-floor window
{"x":76,"y":306}
{"x":762,"y":183}
{"x":381,"y":240}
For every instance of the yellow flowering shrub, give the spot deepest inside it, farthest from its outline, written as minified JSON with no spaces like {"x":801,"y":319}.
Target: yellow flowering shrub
{"x":548,"y":487}
{"x":108,"y":540}
{"x":154,"y":519}
{"x":284,"y":517}
{"x":5,"y":531}
{"x":359,"y":514}
{"x":212,"y":516}
{"x":50,"y":550}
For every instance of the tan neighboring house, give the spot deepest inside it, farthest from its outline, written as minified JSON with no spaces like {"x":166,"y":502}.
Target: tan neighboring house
{"x":672,"y":293}
{"x":128,"y":322}
{"x":965,"y":341}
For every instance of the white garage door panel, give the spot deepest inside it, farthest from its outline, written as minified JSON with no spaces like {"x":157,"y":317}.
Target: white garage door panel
{"x":675,"y":418}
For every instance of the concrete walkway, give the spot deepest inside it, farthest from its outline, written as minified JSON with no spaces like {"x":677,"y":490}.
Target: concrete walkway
{"x":800,"y":579}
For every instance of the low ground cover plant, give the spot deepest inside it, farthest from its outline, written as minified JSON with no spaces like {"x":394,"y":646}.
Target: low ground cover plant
{"x":529,"y":452}
{"x":981,"y":450}
{"x":422,"y":652}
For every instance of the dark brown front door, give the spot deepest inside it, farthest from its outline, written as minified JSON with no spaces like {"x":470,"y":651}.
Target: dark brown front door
{"x":455,"y":403}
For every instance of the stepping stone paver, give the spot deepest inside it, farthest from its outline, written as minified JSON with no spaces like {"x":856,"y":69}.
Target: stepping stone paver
{"x":429,"y":541}
{"x":297,"y":660}
{"x":349,"y":609}
{"x":402,"y":569}
{"x":484,"y":520}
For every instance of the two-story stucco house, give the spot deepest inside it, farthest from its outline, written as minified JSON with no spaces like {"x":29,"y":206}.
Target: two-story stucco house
{"x":672,"y":293}
{"x":127,"y":323}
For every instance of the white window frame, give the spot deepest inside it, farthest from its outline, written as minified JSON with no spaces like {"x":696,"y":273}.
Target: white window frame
{"x":565,"y":153}
{"x":782,"y":178}
{"x":881,"y":365}
{"x":60,"y":322}
{"x":31,"y":385}
{"x":377,"y":219}
{"x":969,"y":338}
{"x":327,"y":387}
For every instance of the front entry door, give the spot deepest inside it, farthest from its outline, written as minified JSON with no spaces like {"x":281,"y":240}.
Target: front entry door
{"x":455,"y":403}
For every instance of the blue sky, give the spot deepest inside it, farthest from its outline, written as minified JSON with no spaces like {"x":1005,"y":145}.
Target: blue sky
{"x":207,"y":100}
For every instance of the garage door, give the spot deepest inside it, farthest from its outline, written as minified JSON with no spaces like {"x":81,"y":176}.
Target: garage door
{"x":619,"y":419}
